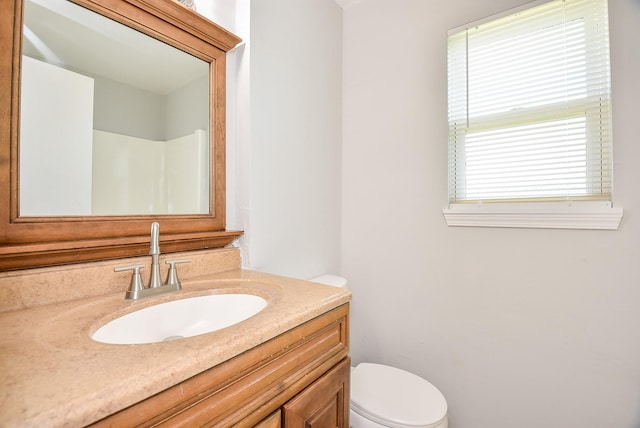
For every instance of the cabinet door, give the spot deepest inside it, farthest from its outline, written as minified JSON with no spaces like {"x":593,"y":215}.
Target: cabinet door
{"x":272,"y":421}
{"x":324,"y":404}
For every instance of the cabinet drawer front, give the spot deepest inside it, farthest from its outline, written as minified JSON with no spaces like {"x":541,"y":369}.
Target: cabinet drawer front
{"x":249,"y":387}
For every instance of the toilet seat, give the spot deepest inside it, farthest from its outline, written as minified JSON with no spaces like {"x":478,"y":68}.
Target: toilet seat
{"x":395,"y":398}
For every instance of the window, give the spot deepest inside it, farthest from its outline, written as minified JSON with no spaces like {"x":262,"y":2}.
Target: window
{"x":529,"y":108}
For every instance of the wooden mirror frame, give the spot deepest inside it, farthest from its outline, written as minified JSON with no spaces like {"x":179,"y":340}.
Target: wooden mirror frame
{"x":46,"y":241}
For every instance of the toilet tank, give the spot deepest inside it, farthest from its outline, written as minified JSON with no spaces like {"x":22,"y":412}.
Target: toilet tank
{"x":328,"y":279}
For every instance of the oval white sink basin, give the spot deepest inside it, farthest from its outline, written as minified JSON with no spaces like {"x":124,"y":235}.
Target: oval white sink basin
{"x":180,"y":318}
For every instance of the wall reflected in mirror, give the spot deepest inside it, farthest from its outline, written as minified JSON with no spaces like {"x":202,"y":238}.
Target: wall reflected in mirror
{"x":112,"y":121}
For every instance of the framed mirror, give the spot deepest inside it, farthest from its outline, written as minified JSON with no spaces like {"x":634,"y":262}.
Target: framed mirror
{"x":113,"y":116}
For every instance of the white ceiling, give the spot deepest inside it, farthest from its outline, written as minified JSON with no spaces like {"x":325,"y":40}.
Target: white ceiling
{"x":64,"y":34}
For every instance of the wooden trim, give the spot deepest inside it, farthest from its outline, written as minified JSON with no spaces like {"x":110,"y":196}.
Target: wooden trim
{"x":59,"y":253}
{"x":44,"y":241}
{"x":193,"y":23}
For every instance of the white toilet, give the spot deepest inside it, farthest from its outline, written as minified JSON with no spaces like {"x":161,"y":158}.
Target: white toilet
{"x":388,"y":397}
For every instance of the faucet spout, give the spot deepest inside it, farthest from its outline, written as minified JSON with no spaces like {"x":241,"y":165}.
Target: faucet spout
{"x":154,"y":252}
{"x":154,"y":249}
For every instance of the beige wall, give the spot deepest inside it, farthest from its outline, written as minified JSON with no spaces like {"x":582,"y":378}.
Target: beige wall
{"x":518,"y":328}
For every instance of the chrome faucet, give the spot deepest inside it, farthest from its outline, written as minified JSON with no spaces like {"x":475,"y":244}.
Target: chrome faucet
{"x":137,"y":290}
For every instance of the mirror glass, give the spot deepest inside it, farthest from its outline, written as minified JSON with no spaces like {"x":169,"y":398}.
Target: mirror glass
{"x":112,"y":121}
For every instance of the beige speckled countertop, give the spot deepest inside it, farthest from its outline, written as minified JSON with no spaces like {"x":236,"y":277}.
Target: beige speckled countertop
{"x":53,"y":374}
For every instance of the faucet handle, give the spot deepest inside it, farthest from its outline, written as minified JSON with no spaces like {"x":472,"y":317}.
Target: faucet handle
{"x":172,"y":276}
{"x":136,"y":284}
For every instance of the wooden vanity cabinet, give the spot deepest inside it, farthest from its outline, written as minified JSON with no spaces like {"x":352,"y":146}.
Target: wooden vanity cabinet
{"x":297,"y":379}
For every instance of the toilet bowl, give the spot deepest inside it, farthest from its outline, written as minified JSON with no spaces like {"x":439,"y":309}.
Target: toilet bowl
{"x":388,"y":397}
{"x":385,"y":396}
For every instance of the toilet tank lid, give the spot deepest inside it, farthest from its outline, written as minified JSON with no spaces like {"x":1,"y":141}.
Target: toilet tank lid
{"x":335,"y":280}
{"x":395,"y":397}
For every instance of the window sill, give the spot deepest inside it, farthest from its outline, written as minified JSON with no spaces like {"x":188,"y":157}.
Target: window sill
{"x":577,"y":215}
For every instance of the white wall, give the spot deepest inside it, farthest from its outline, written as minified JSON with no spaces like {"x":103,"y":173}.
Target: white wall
{"x":126,"y":110}
{"x":518,"y":328}
{"x":295,"y":149}
{"x":234,"y":15}
{"x":284,"y":121}
{"x":55,"y":140}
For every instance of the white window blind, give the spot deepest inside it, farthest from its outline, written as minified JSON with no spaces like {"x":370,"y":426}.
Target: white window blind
{"x":529,"y":106}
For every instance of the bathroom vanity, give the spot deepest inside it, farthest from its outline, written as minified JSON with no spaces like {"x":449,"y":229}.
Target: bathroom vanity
{"x":288,"y":365}
{"x":298,"y":379}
